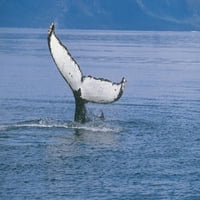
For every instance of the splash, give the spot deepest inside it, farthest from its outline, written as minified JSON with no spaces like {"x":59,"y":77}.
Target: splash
{"x":48,"y":123}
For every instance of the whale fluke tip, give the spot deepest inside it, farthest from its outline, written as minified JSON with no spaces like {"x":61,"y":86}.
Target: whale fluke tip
{"x":123,"y":82}
{"x":51,"y":28}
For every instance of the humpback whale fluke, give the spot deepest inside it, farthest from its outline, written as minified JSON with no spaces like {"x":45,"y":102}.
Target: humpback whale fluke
{"x":85,"y":88}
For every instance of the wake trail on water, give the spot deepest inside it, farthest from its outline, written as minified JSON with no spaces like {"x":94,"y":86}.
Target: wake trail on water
{"x":94,"y":126}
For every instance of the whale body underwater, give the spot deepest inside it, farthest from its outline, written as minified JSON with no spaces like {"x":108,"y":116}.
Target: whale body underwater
{"x":85,"y":88}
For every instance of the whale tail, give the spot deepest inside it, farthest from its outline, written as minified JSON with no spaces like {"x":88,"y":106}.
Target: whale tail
{"x":85,"y":88}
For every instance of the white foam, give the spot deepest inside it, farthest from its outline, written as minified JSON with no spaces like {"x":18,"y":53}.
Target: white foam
{"x":50,"y":123}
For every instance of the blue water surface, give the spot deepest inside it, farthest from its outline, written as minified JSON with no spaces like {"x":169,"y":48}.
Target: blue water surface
{"x":147,"y":147}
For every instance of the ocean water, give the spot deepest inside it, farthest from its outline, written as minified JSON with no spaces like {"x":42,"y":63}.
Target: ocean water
{"x":148,"y":145}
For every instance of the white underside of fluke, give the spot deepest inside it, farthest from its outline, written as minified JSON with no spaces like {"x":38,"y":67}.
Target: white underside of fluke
{"x":91,"y":89}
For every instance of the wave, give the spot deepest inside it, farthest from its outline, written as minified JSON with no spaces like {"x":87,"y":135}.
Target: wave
{"x":93,"y":126}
